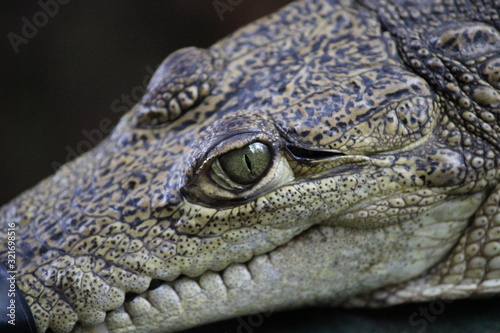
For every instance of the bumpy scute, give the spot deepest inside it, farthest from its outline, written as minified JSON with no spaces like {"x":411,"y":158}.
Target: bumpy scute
{"x":181,"y":82}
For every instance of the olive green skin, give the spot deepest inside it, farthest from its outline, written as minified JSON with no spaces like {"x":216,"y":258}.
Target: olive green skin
{"x":336,"y":152}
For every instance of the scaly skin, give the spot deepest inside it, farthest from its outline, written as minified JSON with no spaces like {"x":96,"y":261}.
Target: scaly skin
{"x":382,"y":121}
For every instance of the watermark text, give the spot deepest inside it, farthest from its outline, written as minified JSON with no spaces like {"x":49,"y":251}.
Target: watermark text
{"x":11,"y":273}
{"x":92,"y":137}
{"x":222,"y":6}
{"x":30,"y":27}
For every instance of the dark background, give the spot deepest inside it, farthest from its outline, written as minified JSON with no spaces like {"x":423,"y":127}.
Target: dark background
{"x":64,"y":80}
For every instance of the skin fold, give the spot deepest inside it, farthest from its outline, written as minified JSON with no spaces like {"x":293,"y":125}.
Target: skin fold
{"x":333,"y":153}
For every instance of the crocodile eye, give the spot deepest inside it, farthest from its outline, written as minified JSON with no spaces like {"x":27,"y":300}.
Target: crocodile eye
{"x":237,"y":170}
{"x":241,"y":167}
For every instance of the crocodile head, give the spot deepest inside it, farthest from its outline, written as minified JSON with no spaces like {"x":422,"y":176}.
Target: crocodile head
{"x":302,"y":160}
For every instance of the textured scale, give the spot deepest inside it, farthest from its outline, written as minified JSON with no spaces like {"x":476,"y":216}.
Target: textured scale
{"x":382,"y":121}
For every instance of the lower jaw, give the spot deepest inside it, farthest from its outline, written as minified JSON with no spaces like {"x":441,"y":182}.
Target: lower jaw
{"x":323,"y":265}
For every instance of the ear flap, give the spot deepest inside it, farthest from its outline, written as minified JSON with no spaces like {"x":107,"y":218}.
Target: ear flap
{"x":181,"y":82}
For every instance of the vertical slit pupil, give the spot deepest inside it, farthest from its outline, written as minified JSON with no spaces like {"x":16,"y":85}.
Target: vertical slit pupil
{"x":248,"y":162}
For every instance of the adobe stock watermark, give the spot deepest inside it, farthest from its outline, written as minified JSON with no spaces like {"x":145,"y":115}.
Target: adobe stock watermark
{"x":10,"y":312}
{"x":251,"y":322}
{"x":427,"y":314}
{"x":222,"y":6}
{"x":30,"y":27}
{"x":106,"y":125}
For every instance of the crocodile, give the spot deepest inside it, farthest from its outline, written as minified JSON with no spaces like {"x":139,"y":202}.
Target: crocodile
{"x":336,"y":152}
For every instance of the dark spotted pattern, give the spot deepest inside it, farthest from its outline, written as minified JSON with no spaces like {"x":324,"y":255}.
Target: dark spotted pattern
{"x":382,"y":118}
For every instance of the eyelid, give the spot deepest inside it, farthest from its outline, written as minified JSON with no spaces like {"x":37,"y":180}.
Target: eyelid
{"x":232,"y":142}
{"x":305,"y":154}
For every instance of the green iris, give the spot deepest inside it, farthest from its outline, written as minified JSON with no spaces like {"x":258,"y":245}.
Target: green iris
{"x":247,"y":164}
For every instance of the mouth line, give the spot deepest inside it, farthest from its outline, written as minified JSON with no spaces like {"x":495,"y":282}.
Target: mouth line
{"x":225,"y":275}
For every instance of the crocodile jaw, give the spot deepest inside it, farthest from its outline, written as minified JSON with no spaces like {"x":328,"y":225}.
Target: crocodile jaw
{"x":323,"y":265}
